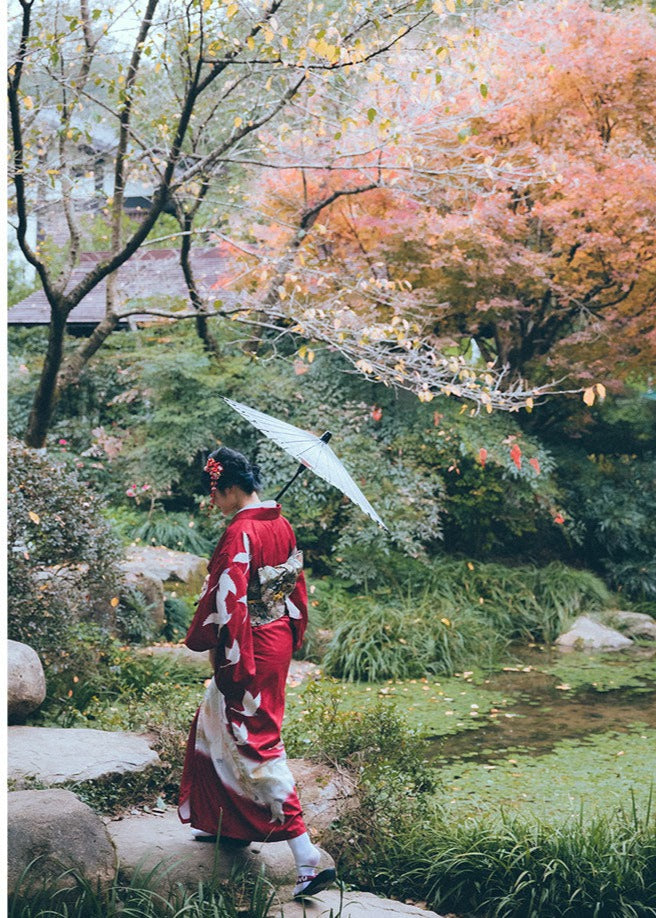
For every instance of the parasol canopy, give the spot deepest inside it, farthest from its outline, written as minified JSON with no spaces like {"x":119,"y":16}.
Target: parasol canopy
{"x":311,"y":451}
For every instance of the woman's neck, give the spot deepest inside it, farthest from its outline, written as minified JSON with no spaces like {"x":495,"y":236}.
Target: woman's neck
{"x":248,"y":500}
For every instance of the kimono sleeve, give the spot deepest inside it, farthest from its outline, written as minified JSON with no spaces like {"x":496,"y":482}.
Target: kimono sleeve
{"x":297,"y":609}
{"x":221,"y":621}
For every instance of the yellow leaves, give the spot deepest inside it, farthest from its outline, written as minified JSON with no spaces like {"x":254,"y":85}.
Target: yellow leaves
{"x":306,"y":354}
{"x":425,"y":395}
{"x":113,"y":602}
{"x":450,"y":5}
{"x":238,"y":122}
{"x":28,"y":102}
{"x":321,"y":48}
{"x":592,"y":392}
{"x":529,"y":404}
{"x":446,"y":621}
{"x":36,"y":519}
{"x":232,"y":10}
{"x":250,"y":43}
{"x":364,"y":366}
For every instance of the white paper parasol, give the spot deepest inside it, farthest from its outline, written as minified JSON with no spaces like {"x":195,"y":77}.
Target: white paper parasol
{"x":311,"y":451}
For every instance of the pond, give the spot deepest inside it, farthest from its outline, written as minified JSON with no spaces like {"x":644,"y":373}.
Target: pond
{"x":579,"y":740}
{"x":553,"y":735}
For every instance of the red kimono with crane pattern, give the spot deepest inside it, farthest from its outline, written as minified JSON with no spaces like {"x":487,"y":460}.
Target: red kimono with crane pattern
{"x":236,"y":780}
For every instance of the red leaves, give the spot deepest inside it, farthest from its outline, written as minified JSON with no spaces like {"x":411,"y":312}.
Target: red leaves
{"x":559,"y":518}
{"x":516,"y":455}
{"x":482,"y":456}
{"x":535,"y":465}
{"x":376,"y":413}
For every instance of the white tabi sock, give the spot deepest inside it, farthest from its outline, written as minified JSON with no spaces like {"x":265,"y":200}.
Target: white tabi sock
{"x":306,"y":855}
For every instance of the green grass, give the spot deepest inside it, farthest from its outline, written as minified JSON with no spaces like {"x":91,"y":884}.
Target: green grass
{"x":516,"y":869}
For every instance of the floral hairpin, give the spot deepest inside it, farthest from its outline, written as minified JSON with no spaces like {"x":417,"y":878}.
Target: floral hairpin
{"x":214,"y":469}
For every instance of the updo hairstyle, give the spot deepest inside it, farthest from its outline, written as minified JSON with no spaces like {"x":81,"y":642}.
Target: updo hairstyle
{"x":237,"y":470}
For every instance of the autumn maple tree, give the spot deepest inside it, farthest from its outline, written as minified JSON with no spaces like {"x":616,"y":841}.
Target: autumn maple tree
{"x":530,"y":230}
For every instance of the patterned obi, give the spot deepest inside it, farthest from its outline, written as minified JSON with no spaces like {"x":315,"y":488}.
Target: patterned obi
{"x":269,"y":589}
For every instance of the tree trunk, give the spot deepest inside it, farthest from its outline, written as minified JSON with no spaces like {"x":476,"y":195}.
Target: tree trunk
{"x":45,"y":398}
{"x":73,"y":366}
{"x":208,"y":339}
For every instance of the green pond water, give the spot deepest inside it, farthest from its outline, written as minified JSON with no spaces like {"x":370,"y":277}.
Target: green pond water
{"x":552,"y":736}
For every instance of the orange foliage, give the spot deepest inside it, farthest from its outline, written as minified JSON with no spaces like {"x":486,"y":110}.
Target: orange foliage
{"x":517,"y":199}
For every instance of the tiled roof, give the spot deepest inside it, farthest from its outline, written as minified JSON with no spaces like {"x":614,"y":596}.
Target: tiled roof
{"x":155,"y":275}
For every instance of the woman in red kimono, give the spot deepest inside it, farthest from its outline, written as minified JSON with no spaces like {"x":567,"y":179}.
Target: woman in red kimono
{"x":251,"y":616}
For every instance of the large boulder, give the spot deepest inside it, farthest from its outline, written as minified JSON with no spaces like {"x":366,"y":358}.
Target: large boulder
{"x":162,"y":844}
{"x":588,"y":634}
{"x":178,"y":653}
{"x":55,"y":755}
{"x":325,"y":794}
{"x":63,"y":833}
{"x":26,"y":682}
{"x":165,"y":564}
{"x":634,"y":625}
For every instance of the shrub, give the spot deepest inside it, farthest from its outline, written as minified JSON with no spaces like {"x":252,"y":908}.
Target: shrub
{"x":62,"y":554}
{"x":615,"y":498}
{"x":134,"y":620}
{"x":372,"y":744}
{"x":178,"y":614}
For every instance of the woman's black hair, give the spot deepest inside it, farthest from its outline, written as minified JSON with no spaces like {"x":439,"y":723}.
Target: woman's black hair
{"x":237,"y":470}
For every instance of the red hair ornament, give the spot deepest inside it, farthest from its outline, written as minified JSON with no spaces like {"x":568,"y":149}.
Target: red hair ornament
{"x":214,"y":469}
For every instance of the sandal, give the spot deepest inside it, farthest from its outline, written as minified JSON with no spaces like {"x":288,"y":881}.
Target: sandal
{"x":309,"y":885}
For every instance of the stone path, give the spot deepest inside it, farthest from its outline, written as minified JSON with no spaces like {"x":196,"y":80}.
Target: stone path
{"x":54,"y":755}
{"x":333,"y":902}
{"x":158,"y":846}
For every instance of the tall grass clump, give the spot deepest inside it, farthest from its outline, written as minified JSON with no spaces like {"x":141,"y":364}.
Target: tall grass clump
{"x":71,"y":895}
{"x":514,"y":868}
{"x":384,"y":641}
{"x":456,"y":615}
{"x":520,"y":602}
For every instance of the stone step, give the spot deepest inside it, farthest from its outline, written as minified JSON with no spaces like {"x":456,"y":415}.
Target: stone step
{"x":57,"y":755}
{"x":160,"y":844}
{"x":333,"y":902}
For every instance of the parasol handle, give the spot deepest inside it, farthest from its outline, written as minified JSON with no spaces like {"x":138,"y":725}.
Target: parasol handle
{"x":299,"y":471}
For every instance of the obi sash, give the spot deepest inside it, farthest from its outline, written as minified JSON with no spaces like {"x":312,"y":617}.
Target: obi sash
{"x":270,"y":587}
